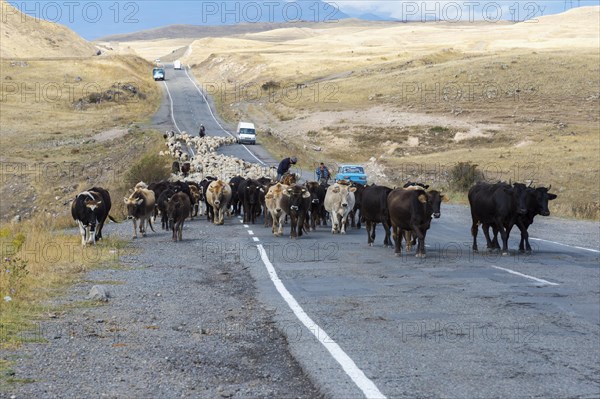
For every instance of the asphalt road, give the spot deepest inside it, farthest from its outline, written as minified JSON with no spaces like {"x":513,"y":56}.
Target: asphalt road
{"x":363,"y":322}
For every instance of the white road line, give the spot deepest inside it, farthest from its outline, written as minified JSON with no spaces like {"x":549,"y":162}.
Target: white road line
{"x":250,"y":232}
{"x":246,"y":226}
{"x":241,"y":221}
{"x":539,"y":280}
{"x":171,"y":102}
{"x":367,"y":386}
{"x":567,"y":245}
{"x":173,"y":115}
{"x":255,"y":238}
{"x":215,"y":119}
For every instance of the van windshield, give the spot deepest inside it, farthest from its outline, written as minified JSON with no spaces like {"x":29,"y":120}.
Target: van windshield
{"x":247,"y":131}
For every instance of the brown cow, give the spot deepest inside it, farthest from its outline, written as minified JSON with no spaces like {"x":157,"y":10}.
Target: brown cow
{"x":273,"y":202}
{"x":289,"y":179}
{"x":195,"y":190}
{"x":218,"y":196}
{"x":412,"y":210}
{"x":178,"y":209}
{"x":140,"y":206}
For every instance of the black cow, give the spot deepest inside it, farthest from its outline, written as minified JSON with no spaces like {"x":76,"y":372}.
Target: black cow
{"x":235,"y":202}
{"x":374,"y":209}
{"x":357,"y":205}
{"x":178,"y":209}
{"x":497,"y":206}
{"x":318,"y":216}
{"x":412,"y":210}
{"x":90,"y":210}
{"x":536,"y":203}
{"x":185,"y":169}
{"x":209,"y":209}
{"x":296,"y":202}
{"x":248,"y":194}
{"x":161,"y":205}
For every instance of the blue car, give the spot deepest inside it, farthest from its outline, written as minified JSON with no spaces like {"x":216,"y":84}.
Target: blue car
{"x":352,"y":173}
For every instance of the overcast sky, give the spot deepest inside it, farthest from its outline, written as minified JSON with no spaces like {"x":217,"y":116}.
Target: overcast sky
{"x":97,"y":18}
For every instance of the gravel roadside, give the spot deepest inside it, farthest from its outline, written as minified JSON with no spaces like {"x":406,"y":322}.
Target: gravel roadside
{"x":182,"y":321}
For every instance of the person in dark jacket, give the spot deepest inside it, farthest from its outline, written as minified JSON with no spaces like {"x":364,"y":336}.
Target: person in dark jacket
{"x":284,"y":166}
{"x":202,"y":131}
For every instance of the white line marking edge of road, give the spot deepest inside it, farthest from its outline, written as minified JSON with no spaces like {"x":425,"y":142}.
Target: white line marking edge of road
{"x":539,"y":280}
{"x":566,"y":245}
{"x":367,"y":386}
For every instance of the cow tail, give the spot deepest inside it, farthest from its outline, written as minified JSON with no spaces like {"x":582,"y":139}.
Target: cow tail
{"x":112,"y":219}
{"x":150,"y":223}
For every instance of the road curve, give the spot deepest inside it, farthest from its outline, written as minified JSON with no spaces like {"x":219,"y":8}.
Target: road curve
{"x":456,"y":324}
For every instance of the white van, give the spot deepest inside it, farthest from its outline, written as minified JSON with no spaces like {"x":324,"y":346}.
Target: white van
{"x":246,"y":133}
{"x":177,"y":64}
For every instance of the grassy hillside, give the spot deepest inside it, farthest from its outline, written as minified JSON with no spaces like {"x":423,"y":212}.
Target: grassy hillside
{"x":412,"y":100}
{"x":25,"y":37}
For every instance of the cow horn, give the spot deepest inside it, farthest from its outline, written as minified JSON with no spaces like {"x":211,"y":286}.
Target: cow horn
{"x":549,"y":187}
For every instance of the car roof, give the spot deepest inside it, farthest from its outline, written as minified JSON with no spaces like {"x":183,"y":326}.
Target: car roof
{"x":351,"y":166}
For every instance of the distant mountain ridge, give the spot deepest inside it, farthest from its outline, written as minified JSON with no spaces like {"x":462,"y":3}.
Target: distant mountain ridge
{"x":180,"y":31}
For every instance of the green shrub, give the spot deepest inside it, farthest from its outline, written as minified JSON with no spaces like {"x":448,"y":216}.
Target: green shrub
{"x":463,"y":175}
{"x":438,"y":129}
{"x":148,"y":169}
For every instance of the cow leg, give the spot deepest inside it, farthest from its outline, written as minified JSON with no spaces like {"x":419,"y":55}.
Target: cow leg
{"x":420,"y":242}
{"x":281,"y":220}
{"x":358,"y":214}
{"x":504,"y":235}
{"x":343,"y":223}
{"x":397,"y":236}
{"x":293,"y":226}
{"x":369,"y":225}
{"x":81,"y":231}
{"x":179,"y":229}
{"x":474,"y":231}
{"x":386,"y":240}
{"x":333,"y":222}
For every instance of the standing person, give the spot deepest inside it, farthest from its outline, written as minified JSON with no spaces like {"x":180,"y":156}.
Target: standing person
{"x":202,"y":131}
{"x":284,"y":166}
{"x":322,"y":174}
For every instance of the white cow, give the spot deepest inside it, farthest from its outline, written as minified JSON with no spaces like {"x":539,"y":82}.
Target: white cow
{"x":339,"y":201}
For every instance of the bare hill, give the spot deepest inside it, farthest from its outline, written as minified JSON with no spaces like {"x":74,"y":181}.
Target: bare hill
{"x":27,"y":37}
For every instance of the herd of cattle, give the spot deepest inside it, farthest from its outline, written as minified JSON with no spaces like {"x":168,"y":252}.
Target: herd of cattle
{"x":405,"y":213}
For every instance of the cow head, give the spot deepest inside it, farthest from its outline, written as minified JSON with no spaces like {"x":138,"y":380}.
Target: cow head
{"x":297,"y":195}
{"x":133,"y":204}
{"x":92,"y":204}
{"x":434,"y":200}
{"x":519,"y":193}
{"x":542,"y":196}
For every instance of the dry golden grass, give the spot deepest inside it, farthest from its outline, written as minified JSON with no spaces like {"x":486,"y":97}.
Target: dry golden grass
{"x":37,"y":263}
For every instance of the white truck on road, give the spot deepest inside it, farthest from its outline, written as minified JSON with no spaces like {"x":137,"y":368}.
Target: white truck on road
{"x":246,"y":133}
{"x":177,"y":64}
